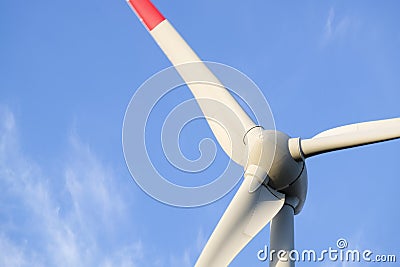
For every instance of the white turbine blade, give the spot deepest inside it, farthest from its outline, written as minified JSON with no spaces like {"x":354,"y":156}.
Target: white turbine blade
{"x":347,"y":136}
{"x":226,"y":118}
{"x":246,"y":215}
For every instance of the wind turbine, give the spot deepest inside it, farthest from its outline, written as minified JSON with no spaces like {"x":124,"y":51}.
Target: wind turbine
{"x":274,"y":188}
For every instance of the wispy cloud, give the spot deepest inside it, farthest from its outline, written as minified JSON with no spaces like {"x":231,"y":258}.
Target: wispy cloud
{"x":13,"y":255}
{"x":335,"y":26}
{"x":329,"y":22}
{"x":64,"y":220}
{"x":201,"y":240}
{"x":189,"y":256}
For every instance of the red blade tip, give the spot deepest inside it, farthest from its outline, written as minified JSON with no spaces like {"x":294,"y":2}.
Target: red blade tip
{"x":147,"y":12}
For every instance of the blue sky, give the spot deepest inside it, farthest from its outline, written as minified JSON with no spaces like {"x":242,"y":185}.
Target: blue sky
{"x":69,"y":69}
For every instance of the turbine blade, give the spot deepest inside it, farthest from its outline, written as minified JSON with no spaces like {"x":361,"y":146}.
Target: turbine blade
{"x":348,"y":136}
{"x":226,"y":118}
{"x":246,"y":215}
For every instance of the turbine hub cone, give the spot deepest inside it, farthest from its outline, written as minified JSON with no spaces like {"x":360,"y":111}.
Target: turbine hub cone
{"x":277,"y":169}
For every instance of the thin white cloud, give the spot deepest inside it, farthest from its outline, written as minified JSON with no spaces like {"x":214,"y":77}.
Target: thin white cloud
{"x":190,"y":254}
{"x":91,"y":185}
{"x":329,"y":22}
{"x":66,"y":220}
{"x":183,"y":260}
{"x":335,"y":27}
{"x":201,"y":240}
{"x":12,"y":255}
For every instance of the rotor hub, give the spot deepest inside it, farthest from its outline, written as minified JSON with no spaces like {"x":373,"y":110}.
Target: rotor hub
{"x":281,"y":171}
